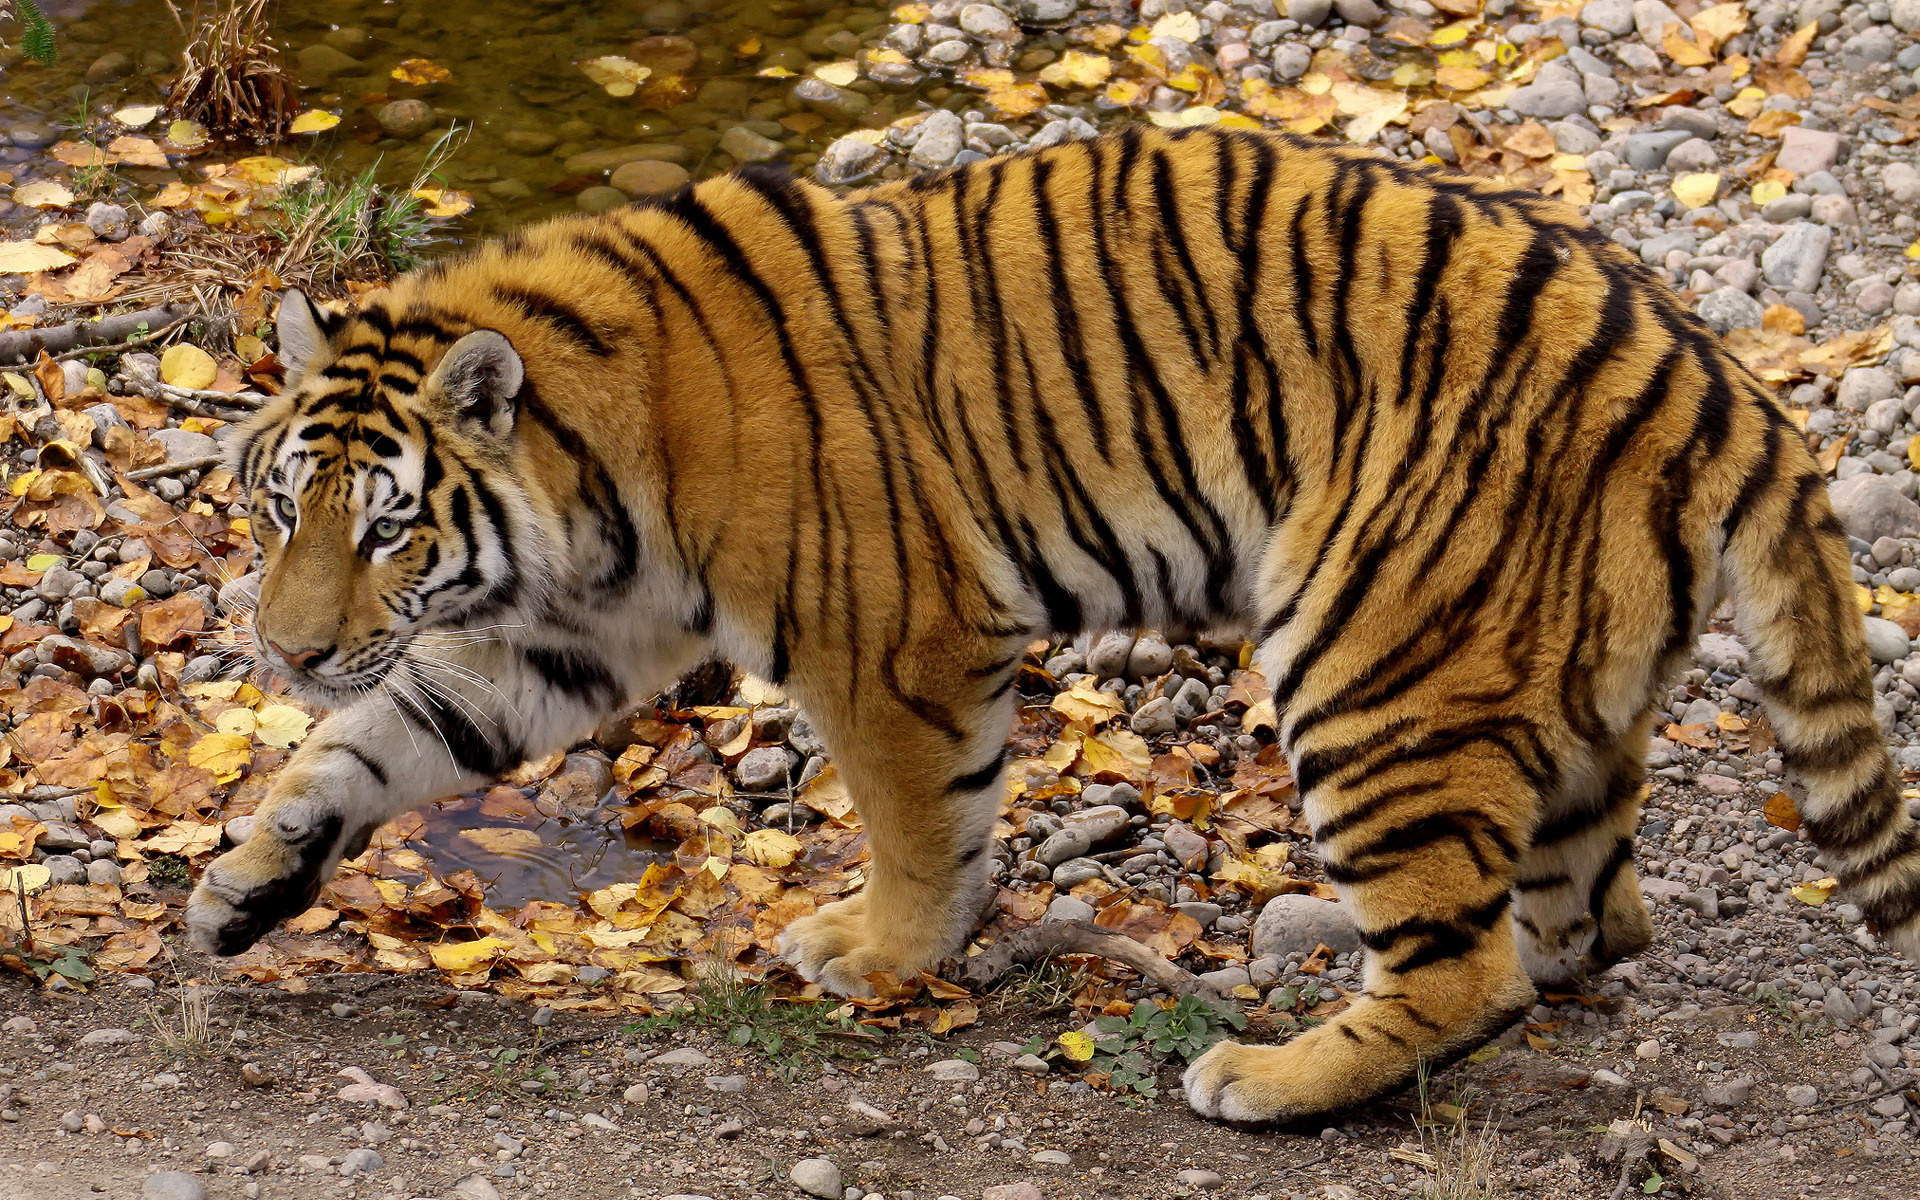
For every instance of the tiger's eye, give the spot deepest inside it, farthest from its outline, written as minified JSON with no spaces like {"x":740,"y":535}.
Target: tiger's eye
{"x":387,"y":529}
{"x":283,"y":508}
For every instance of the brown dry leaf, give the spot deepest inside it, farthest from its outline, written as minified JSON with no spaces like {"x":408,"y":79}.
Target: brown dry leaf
{"x":1771,"y":122}
{"x":163,"y":623}
{"x":1793,"y":51}
{"x":223,"y":754}
{"x":1009,"y":97}
{"x":1782,"y":812}
{"x":501,"y":841}
{"x":1784,"y":318}
{"x":1532,"y":140}
{"x":80,"y":154}
{"x":1700,"y":736}
{"x":1077,"y":68}
{"x":1713,"y":26}
{"x":138,"y":151}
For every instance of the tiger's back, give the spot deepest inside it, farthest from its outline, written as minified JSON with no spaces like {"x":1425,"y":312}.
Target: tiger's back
{"x":1470,"y":476}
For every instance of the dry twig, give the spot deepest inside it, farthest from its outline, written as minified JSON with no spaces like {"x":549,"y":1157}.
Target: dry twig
{"x":1055,"y":938}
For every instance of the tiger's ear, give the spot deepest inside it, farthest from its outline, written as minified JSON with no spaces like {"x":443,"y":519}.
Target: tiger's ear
{"x":304,"y":329}
{"x":478,"y":379}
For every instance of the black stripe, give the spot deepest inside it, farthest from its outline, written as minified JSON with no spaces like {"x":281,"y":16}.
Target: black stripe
{"x":973,"y":781}
{"x":556,"y":313}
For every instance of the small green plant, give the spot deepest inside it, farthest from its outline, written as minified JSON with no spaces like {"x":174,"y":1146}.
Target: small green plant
{"x":788,"y":1034}
{"x":1129,"y":1051}
{"x":360,"y":228}
{"x":36,"y":32}
{"x":1045,"y":987}
{"x":45,"y":958}
{"x":168,"y":872}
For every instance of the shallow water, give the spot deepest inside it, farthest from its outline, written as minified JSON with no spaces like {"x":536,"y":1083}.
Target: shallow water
{"x":514,"y":82}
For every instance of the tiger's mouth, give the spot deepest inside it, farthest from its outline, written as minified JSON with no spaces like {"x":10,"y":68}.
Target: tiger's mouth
{"x":337,"y":683}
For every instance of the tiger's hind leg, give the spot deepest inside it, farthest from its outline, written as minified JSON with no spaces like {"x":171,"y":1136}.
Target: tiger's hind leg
{"x":1577,"y":899}
{"x":1424,"y":851}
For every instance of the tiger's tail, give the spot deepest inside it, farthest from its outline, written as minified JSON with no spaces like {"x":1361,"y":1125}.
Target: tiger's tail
{"x":1785,"y":561}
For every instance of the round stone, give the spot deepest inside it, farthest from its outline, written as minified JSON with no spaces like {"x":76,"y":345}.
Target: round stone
{"x":406,"y":119}
{"x":600,"y":199}
{"x":638,"y":179}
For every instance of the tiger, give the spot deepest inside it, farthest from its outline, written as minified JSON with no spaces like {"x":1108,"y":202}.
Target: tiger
{"x":1468,"y":476}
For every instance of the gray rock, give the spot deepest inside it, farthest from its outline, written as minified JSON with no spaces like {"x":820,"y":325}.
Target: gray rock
{"x":1068,"y":908}
{"x":1201,"y":1180}
{"x":685,"y":1056}
{"x":748,"y":146}
{"x":1100,"y":823}
{"x":1886,"y":642}
{"x":764,"y":768}
{"x":1075,"y":871}
{"x":1839,"y":1008}
{"x":1188,"y":848}
{"x":318,"y":63}
{"x":1044,"y":12}
{"x":1150,"y":657}
{"x":864,"y":1120}
{"x":64,"y":868}
{"x":32,"y":135}
{"x":1804,"y":151}
{"x":847,"y":160}
{"x":1107,"y":657}
{"x":1863,"y":387}
{"x":1651,"y":18}
{"x":1871,"y":45}
{"x":1550,"y":101}
{"x":110,"y":1037}
{"x":953,"y":1070}
{"x":405,"y":119}
{"x":1715,"y":651}
{"x":1614,"y":16}
{"x":1295,"y":924}
{"x":1310,"y":13}
{"x":1203,"y":911}
{"x":649,"y":177}
{"x":183,"y":445}
{"x":63,"y":835}
{"x":172,"y":1185}
{"x":732,"y":1085}
{"x":1155,"y":718}
{"x":940,"y":137}
{"x":1570,"y":137}
{"x":1360,"y":12}
{"x":985,"y":21}
{"x":1730,"y":308}
{"x":108,"y":221}
{"x":1798,"y":257}
{"x":1906,"y":15}
{"x":1068,"y":843}
{"x":1291,"y":60}
{"x":361,"y":1162}
{"x":599,"y":198}
{"x":1803,"y":1095}
{"x":1731,"y":1094}
{"x":103,"y":871}
{"x":58,"y":583}
{"x":86,"y":658}
{"x":1694,"y":154}
{"x":475,"y":1187}
{"x":1648,"y":151}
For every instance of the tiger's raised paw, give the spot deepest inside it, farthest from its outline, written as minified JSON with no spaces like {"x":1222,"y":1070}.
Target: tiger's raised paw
{"x":274,"y":875}
{"x":834,"y":948}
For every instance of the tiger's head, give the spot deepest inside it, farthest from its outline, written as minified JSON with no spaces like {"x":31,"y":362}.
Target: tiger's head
{"x":382,"y":489}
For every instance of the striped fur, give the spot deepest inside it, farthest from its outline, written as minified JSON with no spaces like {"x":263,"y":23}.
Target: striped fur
{"x":1470,"y":475}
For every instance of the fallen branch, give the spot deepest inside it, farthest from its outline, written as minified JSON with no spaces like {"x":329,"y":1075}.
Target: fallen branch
{"x":195,"y":400}
{"x":203,"y":463}
{"x":25,"y":345}
{"x":1055,"y":938}
{"x":129,"y":344}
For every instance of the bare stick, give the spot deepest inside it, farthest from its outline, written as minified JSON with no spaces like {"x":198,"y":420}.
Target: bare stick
{"x":21,"y":345}
{"x":181,"y":397}
{"x":177,"y":468}
{"x":1072,"y":937}
{"x":129,"y":344}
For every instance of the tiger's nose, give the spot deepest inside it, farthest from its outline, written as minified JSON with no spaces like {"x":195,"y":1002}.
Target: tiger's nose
{"x":299,"y":658}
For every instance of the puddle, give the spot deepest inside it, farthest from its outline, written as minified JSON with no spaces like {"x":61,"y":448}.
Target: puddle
{"x":514,"y":78}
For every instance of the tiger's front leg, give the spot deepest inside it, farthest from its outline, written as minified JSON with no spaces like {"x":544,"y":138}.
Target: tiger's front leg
{"x":435,"y":727}
{"x":928,"y":796}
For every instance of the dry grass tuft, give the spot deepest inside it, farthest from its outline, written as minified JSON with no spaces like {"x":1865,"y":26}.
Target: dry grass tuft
{"x":233,"y":81}
{"x":1461,"y":1160}
{"x":185,"y":1032}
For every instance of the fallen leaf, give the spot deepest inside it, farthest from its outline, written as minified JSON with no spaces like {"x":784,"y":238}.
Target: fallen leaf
{"x":1816,"y":892}
{"x":1782,"y":812}
{"x":43,"y":193}
{"x":134,"y":116}
{"x":281,"y":725}
{"x":1677,"y":45}
{"x":1793,"y":51}
{"x":1696,"y":190}
{"x":1076,"y":1045}
{"x":188,"y":366}
{"x":188,"y":135}
{"x":1713,"y":26}
{"x":29,"y":878}
{"x":619,"y":76}
{"x":503,"y":840}
{"x":444,"y":202}
{"x":138,"y":151}
{"x":314,"y":120}
{"x":1077,"y":68}
{"x":770,"y":847}
{"x":420,"y":71}
{"x":459,"y":957}
{"x":224,"y":754}
{"x":839,"y":74}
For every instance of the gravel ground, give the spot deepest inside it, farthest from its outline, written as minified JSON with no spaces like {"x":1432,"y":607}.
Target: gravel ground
{"x":1765,"y":1046}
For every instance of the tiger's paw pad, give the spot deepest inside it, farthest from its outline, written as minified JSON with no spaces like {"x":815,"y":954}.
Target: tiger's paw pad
{"x":1244,"y":1085}
{"x":276,"y":874}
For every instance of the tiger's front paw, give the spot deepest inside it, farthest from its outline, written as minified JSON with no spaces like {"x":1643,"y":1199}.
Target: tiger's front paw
{"x":275,"y":875}
{"x":1245,"y":1084}
{"x":835,"y":948}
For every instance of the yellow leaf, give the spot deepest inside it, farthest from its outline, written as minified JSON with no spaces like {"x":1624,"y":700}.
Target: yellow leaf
{"x":1185,"y":26}
{"x":45,"y":193}
{"x":839,"y":74}
{"x":770,"y":847}
{"x":224,"y":754}
{"x":716,"y":866}
{"x":1084,"y":702}
{"x":1793,"y":51}
{"x":444,"y":202}
{"x":281,"y":725}
{"x":238,"y":721}
{"x":503,"y":841}
{"x":138,"y":151}
{"x":912,"y":14}
{"x":188,"y":366}
{"x":775,"y":72}
{"x":44,"y":562}
{"x":1076,"y":1045}
{"x":1748,"y":103}
{"x":187,"y":134}
{"x":1713,"y":26}
{"x":1454,"y":34}
{"x":28,"y":878}
{"x":1767,"y":191}
{"x":133,"y":116}
{"x":419,"y":71}
{"x":120,"y":824}
{"x":186,"y":838}
{"x":1913,"y":251}
{"x":314,"y":120}
{"x":620,"y":76}
{"x":1696,"y":190}
{"x":1816,"y":892}
{"x":1077,"y":68}
{"x":1683,"y":52}
{"x":458,"y":957}
{"x":1186,"y":118}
